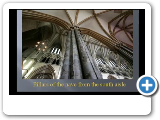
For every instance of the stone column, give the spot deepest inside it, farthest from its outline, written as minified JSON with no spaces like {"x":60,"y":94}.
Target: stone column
{"x":65,"y":74}
{"x":75,"y":70}
{"x":89,"y":68}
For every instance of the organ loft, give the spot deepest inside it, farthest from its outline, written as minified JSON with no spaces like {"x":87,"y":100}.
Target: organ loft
{"x":77,"y":44}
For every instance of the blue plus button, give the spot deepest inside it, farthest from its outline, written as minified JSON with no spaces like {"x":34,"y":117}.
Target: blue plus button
{"x":147,"y":85}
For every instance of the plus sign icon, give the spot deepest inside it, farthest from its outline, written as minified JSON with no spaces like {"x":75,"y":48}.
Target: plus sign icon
{"x":147,"y":85}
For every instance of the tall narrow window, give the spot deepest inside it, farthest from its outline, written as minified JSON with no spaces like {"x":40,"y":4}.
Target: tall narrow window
{"x":58,"y":51}
{"x":57,"y":62}
{"x":52,"y":50}
{"x":55,"y":51}
{"x":47,"y":60}
{"x":54,"y":61}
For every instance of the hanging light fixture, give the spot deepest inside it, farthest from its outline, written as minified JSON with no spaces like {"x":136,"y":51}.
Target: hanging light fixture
{"x":41,"y":46}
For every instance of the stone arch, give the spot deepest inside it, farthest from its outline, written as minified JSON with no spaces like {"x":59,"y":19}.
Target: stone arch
{"x":42,"y":68}
{"x":30,"y":14}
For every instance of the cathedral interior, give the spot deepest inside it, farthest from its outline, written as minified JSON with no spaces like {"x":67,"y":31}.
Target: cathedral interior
{"x":77,"y":44}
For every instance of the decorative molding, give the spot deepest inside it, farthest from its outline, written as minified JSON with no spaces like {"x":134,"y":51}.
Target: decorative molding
{"x":108,"y":42}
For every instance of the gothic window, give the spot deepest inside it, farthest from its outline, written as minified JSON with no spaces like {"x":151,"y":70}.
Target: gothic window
{"x":54,"y":61}
{"x":55,"y":50}
{"x":57,"y":63}
{"x":47,"y":60}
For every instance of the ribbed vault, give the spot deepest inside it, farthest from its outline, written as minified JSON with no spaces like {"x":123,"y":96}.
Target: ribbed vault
{"x":111,"y":27}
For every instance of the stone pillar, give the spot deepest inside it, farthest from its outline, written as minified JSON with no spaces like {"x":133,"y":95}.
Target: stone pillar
{"x":89,"y":68}
{"x":75,"y":70}
{"x":65,"y":74}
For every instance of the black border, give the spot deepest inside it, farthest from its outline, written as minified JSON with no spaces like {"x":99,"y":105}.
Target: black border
{"x":13,"y":62}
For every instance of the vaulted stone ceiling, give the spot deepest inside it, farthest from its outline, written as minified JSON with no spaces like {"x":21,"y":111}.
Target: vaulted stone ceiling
{"x":104,"y":25}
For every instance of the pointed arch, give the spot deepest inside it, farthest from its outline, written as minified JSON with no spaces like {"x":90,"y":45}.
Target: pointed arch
{"x":40,"y":69}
